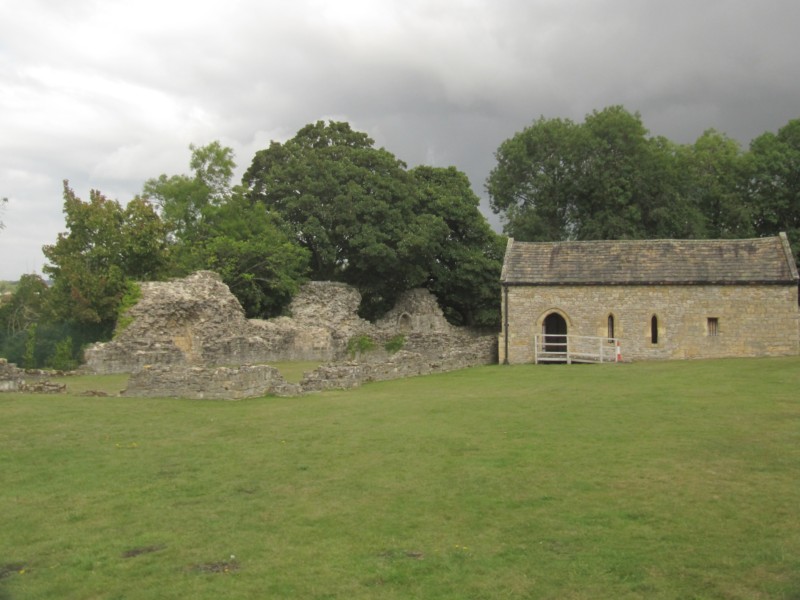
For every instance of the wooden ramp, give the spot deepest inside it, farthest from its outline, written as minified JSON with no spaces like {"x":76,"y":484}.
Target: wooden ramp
{"x":557,"y":348}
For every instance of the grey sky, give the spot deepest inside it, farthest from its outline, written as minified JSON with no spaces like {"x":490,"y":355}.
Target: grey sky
{"x":107,"y":93}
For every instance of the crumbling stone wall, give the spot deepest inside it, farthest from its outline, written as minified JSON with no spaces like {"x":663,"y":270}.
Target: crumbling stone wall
{"x":416,"y":311}
{"x":198,"y":321}
{"x":11,"y":378}
{"x":14,"y":379}
{"x":188,"y":337}
{"x":233,"y":383}
{"x":207,"y":383}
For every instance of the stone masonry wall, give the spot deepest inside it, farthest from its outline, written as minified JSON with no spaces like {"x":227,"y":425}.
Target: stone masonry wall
{"x":233,"y":383}
{"x":198,"y":321}
{"x":11,"y":378}
{"x":206,"y":383}
{"x":14,"y":379}
{"x":189,"y":338}
{"x":753,"y":320}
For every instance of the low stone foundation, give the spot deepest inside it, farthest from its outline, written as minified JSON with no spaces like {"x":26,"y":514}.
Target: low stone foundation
{"x":14,"y":379}
{"x":206,"y":383}
{"x":251,"y":381}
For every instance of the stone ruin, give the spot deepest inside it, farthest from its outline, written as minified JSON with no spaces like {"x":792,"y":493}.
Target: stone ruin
{"x":189,"y":338}
{"x":14,"y":379}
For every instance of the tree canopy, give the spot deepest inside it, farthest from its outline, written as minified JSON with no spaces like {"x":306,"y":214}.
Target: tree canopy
{"x":607,"y":178}
{"x":106,"y":246}
{"x":774,"y":170}
{"x":212,"y":225}
{"x":602,"y":179}
{"x":368,"y":221}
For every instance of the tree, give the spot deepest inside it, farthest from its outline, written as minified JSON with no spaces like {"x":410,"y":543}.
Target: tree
{"x":214,"y":226}
{"x":602,"y":179}
{"x":716,"y":179}
{"x":185,"y":201}
{"x":105,"y":246}
{"x":27,"y":305}
{"x":255,"y":258}
{"x":465,"y":272}
{"x":351,"y":206}
{"x":535,"y":183}
{"x":775,"y":183}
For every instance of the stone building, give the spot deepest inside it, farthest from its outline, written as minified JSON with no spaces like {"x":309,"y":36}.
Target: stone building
{"x":661,"y":299}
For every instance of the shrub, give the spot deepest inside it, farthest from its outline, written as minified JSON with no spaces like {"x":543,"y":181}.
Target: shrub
{"x":359,"y":345}
{"x":395,"y":344}
{"x":132,"y":295}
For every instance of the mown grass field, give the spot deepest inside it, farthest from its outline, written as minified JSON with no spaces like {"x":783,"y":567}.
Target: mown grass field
{"x":659,"y":480}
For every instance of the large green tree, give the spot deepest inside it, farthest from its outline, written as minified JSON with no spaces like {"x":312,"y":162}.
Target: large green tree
{"x":368,"y":221}
{"x":465,"y":270}
{"x":185,"y":201}
{"x":775,"y":183}
{"x":258,"y":261}
{"x":535,"y":183}
{"x":628,"y":188}
{"x":715,"y":177}
{"x":105,"y":248}
{"x":603,"y":179}
{"x":214,"y":226}
{"x":351,"y":205}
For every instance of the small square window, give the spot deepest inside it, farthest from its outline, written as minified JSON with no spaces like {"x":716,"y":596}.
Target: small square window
{"x":713,"y":326}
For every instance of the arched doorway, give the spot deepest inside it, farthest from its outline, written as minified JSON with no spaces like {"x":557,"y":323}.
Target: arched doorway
{"x":554,"y":329}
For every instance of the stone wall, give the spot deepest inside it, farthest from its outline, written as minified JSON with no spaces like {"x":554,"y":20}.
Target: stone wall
{"x":14,"y":379}
{"x":416,"y":311}
{"x":753,"y":320}
{"x":233,"y":383}
{"x":206,"y":383}
{"x":11,"y":378}
{"x":198,"y":321}
{"x":189,"y":338}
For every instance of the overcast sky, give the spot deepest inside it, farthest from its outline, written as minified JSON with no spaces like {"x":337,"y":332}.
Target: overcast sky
{"x":108,"y":93}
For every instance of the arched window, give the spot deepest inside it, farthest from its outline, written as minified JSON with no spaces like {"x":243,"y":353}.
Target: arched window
{"x":654,"y":330}
{"x":404,"y":323}
{"x":610,"y":327}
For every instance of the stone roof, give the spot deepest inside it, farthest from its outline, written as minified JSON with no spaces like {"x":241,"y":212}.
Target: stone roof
{"x":650,"y":262}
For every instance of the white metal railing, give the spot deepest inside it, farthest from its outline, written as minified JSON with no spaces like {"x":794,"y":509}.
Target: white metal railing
{"x":575,"y":349}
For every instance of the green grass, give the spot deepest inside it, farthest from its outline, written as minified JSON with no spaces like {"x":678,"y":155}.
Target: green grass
{"x":649,"y":480}
{"x":292,"y":371}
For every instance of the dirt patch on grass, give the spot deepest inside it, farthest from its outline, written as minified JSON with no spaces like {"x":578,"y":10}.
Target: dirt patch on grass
{"x":394,"y":554}
{"x":224,"y":566}
{"x":11,"y":568}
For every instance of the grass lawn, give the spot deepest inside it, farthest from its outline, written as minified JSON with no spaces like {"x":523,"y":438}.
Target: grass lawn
{"x":293,"y":371}
{"x":647,"y":480}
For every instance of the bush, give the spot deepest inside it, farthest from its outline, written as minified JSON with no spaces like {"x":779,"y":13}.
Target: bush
{"x":132,"y":295}
{"x":359,"y":345}
{"x":395,"y":344}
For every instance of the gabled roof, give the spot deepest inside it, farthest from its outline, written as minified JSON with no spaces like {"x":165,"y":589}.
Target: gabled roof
{"x":650,"y":262}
